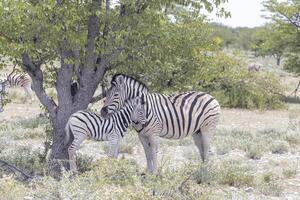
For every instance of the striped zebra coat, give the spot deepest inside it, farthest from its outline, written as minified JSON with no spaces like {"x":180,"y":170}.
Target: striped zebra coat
{"x":85,"y":124}
{"x":168,"y":116}
{"x":21,"y":80}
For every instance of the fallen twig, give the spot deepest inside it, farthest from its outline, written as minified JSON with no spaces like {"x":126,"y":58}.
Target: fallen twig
{"x":15,"y":169}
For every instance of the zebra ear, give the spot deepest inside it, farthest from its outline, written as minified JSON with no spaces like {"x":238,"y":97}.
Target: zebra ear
{"x":119,"y":80}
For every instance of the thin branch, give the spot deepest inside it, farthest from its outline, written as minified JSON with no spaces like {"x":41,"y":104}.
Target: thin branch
{"x":290,"y":20}
{"x":296,"y":90}
{"x":14,"y":169}
{"x":98,"y":97}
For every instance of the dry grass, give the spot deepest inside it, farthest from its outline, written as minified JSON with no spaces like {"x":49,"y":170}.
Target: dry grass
{"x":255,"y":155}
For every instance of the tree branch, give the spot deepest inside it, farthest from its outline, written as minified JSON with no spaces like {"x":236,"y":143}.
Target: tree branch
{"x":36,"y":75}
{"x":93,"y":33}
{"x":290,"y":20}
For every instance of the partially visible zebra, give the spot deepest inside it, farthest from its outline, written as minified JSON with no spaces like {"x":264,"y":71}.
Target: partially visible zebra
{"x":84,"y":124}
{"x":173,"y":117}
{"x":21,"y":80}
{"x":254,"y":67}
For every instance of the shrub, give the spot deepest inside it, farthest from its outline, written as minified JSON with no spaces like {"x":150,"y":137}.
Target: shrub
{"x":24,"y":128}
{"x":228,"y":79}
{"x":31,"y":161}
{"x":269,"y":185}
{"x":233,"y":174}
{"x":289,"y":172}
{"x":10,"y":189}
{"x":254,"y":151}
{"x":279,"y":147}
{"x":83,"y":162}
{"x":17,"y":95}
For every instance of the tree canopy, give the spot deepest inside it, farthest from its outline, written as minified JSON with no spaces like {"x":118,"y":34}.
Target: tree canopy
{"x":286,"y":16}
{"x":59,"y":43}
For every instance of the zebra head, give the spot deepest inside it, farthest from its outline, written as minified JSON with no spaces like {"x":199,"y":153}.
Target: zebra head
{"x":122,"y":88}
{"x":115,"y":97}
{"x":139,"y":113}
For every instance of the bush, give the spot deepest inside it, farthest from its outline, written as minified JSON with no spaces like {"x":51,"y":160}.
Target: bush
{"x":279,"y":147}
{"x":228,"y":79}
{"x":254,"y":151}
{"x":24,"y":128}
{"x":269,"y":185}
{"x":10,"y":189}
{"x":251,"y":90}
{"x":17,"y":95}
{"x":233,"y":174}
{"x":289,"y":172}
{"x":32,"y":162}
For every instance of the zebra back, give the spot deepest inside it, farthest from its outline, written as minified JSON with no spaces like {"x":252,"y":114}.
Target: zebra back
{"x":19,"y":80}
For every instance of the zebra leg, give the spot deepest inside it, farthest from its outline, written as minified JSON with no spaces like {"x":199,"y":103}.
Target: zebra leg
{"x":153,"y":152}
{"x":78,"y":139}
{"x":113,"y":148}
{"x":72,"y":160}
{"x":201,"y":141}
{"x":146,"y":144}
{"x":28,"y":94}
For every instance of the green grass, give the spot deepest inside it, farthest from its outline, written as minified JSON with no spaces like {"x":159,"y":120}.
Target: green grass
{"x":24,"y":128}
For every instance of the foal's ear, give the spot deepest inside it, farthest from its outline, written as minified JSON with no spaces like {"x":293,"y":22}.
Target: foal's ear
{"x":119,"y":79}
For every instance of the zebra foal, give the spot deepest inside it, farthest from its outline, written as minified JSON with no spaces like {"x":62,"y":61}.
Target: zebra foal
{"x":168,"y":116}
{"x":84,"y":124}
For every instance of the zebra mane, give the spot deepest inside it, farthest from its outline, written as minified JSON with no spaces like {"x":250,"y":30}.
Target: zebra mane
{"x":127,"y":77}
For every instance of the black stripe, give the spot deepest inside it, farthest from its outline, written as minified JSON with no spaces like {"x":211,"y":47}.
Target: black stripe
{"x":198,"y":118}
{"x":211,"y":109}
{"x":181,"y":109}
{"x":94,"y":128}
{"x":178,"y":121}
{"x":164,"y":112}
{"x":191,"y":110}
{"x":83,"y":122}
{"x":97,"y":125}
{"x":170,"y":113}
{"x":208,"y":118}
{"x":78,"y":127}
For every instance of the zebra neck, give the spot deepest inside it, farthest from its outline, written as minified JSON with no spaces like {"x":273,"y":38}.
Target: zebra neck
{"x":137,"y":90}
{"x":123,"y":117}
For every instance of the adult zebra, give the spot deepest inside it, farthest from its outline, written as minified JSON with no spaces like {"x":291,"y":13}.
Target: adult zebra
{"x":174,"y":116}
{"x":21,"y":80}
{"x":84,"y":124}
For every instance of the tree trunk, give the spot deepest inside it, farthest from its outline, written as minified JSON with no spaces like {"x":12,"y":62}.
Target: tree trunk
{"x":59,"y":155}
